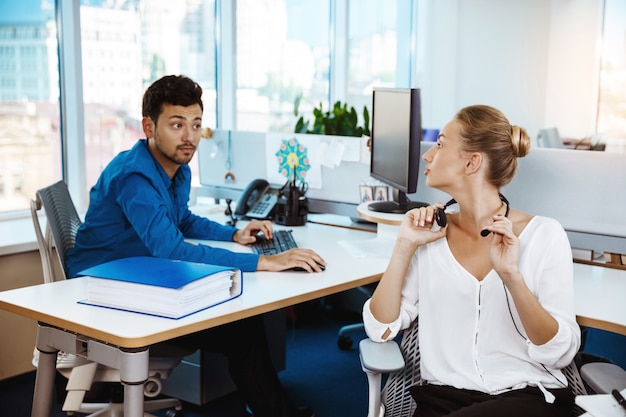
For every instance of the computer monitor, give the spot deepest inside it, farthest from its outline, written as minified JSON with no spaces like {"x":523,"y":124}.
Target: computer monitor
{"x":395,"y":149}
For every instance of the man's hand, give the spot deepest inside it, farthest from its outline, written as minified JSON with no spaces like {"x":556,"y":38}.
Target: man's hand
{"x":306,"y":259}
{"x":248,"y":234}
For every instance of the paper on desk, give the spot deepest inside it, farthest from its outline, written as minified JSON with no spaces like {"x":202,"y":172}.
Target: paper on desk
{"x":331,"y":153}
{"x":379,"y":247}
{"x":601,"y":405}
{"x":335,"y":150}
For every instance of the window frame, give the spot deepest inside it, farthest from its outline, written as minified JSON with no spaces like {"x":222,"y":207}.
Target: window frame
{"x":67,"y":12}
{"x":71,"y":100}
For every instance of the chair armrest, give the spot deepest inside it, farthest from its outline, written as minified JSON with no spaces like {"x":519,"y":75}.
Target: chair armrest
{"x":603,"y":377}
{"x":378,"y":358}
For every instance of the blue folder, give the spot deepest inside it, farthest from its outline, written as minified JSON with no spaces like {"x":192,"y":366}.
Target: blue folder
{"x":148,"y":270}
{"x":160,"y":287}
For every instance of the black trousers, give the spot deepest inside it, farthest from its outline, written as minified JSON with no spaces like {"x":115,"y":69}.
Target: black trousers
{"x":437,"y":401}
{"x":244,"y":343}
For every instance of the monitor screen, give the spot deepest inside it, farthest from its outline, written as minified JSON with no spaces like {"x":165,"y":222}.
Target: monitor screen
{"x":395,"y":150}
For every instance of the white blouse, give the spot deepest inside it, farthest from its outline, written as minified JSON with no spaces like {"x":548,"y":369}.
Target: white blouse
{"x":468,"y":329}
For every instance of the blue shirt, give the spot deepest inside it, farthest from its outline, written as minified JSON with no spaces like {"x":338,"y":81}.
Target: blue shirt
{"x":136,"y":210}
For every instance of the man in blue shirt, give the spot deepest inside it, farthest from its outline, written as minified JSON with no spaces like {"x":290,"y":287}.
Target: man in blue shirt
{"x":139,"y":207}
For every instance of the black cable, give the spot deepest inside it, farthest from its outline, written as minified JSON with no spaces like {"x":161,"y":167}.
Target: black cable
{"x":229,"y":213}
{"x":508,"y":304}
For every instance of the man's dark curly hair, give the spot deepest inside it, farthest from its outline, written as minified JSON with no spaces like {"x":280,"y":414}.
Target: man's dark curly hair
{"x":177,"y":90}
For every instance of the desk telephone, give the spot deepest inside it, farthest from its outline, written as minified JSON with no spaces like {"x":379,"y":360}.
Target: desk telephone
{"x":257,"y":201}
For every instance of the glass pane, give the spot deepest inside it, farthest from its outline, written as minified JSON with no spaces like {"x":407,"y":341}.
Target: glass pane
{"x":373,"y":57}
{"x":282,"y":53}
{"x":125,"y":47}
{"x":30,"y":141}
{"x":612,"y":103}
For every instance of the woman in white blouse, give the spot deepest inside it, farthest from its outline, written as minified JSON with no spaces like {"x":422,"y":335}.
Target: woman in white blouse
{"x":492,"y":286}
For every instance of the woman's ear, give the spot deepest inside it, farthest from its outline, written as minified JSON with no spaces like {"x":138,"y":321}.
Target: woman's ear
{"x":148,"y":127}
{"x":474,"y":162}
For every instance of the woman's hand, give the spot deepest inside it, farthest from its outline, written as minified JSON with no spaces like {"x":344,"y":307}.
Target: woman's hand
{"x":417,"y":226}
{"x":504,"y":252}
{"x":416,"y":230}
{"x":248,"y":234}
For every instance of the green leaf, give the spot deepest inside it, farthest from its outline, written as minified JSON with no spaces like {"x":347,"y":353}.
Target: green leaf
{"x":340,"y":120}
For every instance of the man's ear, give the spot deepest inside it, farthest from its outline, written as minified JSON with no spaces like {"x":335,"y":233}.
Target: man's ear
{"x":148,"y":127}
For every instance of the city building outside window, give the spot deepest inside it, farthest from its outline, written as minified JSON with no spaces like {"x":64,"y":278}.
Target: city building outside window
{"x":379,"y":48}
{"x":611,"y":123}
{"x":280,"y":61}
{"x":30,"y":145}
{"x":311,"y":51}
{"x":128,"y":45}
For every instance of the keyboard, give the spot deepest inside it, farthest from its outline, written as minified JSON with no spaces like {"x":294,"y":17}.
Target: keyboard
{"x":281,"y":241}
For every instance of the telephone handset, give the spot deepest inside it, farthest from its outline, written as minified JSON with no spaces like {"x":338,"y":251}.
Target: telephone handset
{"x":257,"y":201}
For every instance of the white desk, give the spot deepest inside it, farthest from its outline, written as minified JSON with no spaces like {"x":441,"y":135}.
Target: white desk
{"x":392,"y":219}
{"x":121,"y":339}
{"x":599,"y":296}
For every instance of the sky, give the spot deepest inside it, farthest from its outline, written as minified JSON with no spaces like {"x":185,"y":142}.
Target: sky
{"x":23,"y":11}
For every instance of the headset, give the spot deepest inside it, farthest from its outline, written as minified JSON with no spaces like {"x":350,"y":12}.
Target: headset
{"x":442,"y":221}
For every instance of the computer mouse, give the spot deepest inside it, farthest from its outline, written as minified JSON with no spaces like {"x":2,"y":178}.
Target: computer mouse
{"x":299,"y":269}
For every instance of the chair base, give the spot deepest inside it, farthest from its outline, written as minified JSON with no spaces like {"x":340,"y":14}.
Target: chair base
{"x":345,"y":342}
{"x":117,"y":409}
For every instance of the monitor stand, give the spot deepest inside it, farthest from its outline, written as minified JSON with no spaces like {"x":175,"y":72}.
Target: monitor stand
{"x":400,"y":204}
{"x":395,"y":207}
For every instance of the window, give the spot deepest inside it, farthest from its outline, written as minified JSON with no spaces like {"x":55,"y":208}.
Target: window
{"x":611,"y":123}
{"x":283,"y":52}
{"x":30,"y":145}
{"x":379,"y":48}
{"x":125,"y":47}
{"x":315,"y":51}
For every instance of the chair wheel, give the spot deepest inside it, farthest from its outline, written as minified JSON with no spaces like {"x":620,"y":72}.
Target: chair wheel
{"x":344,"y":342}
{"x":174,"y":413}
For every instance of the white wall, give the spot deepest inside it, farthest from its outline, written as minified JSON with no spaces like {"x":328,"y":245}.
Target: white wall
{"x":536,"y":60}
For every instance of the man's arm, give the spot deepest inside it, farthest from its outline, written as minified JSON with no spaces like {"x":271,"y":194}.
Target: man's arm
{"x":151,"y":216}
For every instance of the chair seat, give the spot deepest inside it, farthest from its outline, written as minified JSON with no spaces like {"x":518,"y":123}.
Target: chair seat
{"x":394,"y":400}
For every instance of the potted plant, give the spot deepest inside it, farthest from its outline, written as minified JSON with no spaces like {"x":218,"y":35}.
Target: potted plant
{"x":340,"y":121}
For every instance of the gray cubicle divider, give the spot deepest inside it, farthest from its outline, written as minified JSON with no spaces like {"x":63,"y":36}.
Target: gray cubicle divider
{"x":584,"y":190}
{"x":246,"y":161}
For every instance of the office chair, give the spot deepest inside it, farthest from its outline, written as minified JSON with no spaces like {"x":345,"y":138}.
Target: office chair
{"x":603,"y":377}
{"x":62,"y":224}
{"x":550,"y":138}
{"x":344,"y":341}
{"x":403,"y":365}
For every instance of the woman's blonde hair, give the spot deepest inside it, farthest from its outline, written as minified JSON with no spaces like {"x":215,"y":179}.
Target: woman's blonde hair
{"x":486,"y":130}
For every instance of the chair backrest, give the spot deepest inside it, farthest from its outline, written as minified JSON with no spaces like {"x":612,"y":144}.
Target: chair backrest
{"x":575,"y":382}
{"x":397,"y":397}
{"x":549,"y":138}
{"x":62,"y":224}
